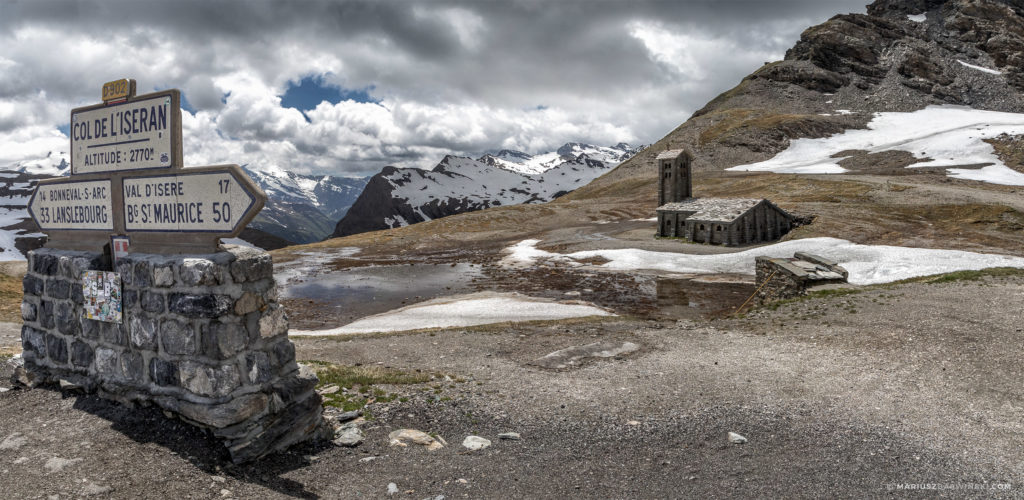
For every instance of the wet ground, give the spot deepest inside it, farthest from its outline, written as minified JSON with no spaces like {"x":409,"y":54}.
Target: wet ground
{"x":328,"y":293}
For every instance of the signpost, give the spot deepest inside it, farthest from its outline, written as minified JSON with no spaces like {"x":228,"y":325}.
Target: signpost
{"x":127,"y":180}
{"x":65,"y":205}
{"x":137,"y":133}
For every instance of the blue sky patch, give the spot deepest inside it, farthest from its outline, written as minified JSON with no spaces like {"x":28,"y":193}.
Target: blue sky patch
{"x":312,"y":90}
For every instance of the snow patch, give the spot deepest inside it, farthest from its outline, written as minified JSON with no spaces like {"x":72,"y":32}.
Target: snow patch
{"x":949,"y":135}
{"x":867,"y":264}
{"x":980,"y":68}
{"x":917,"y":18}
{"x":464,"y":310}
{"x":239,"y":242}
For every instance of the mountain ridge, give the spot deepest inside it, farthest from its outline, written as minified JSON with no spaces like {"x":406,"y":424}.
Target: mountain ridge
{"x":402,"y":196}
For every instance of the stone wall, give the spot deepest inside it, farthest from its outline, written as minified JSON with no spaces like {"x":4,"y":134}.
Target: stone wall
{"x":202,"y":337}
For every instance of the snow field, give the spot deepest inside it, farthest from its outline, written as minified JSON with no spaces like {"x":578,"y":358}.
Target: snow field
{"x":867,"y":264}
{"x":465,"y":310}
{"x":949,"y":135}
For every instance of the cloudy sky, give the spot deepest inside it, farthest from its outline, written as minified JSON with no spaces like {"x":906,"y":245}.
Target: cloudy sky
{"x":346,"y":87}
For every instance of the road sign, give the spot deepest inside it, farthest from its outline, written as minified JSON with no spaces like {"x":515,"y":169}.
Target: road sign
{"x":212,"y":199}
{"x":69,"y":205}
{"x":113,"y":190}
{"x":138,"y":133}
{"x":118,"y":89}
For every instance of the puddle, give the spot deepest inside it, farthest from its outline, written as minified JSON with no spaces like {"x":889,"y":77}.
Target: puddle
{"x":693,"y":299}
{"x":336,"y":298}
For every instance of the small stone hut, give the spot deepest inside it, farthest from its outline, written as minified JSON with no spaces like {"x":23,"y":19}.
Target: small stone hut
{"x":783,"y":278}
{"x":724,"y":221}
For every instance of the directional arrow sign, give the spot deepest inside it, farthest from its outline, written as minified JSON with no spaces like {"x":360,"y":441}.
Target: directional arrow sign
{"x":60,"y":204}
{"x":218,"y":199}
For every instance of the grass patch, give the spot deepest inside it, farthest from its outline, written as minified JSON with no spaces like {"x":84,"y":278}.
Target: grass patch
{"x":10,"y":299}
{"x":992,"y":272}
{"x":952,"y":218}
{"x":357,"y":384}
{"x":815,"y":294}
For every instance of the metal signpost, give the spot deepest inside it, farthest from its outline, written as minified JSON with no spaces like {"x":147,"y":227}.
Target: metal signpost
{"x":127,"y":180}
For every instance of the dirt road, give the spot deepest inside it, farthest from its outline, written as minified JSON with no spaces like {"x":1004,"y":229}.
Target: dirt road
{"x":843,"y":396}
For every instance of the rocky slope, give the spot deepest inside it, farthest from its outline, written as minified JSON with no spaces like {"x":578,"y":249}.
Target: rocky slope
{"x":902,"y":55}
{"x":398,"y":197}
{"x":303,"y":208}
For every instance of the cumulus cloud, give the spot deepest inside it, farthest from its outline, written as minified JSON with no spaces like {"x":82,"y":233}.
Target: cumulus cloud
{"x":458,"y":77}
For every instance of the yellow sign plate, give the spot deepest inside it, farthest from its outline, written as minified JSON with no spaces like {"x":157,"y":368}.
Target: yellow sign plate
{"x":118,"y":89}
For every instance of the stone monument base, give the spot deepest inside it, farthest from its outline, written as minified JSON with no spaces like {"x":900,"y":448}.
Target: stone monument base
{"x":202,"y":337}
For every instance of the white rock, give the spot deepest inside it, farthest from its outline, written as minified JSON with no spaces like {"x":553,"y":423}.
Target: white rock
{"x":13,"y":442}
{"x":736,"y":438}
{"x":348,"y":435}
{"x":403,"y":437}
{"x":475,"y":443}
{"x":57,"y":464}
{"x":392,"y":488}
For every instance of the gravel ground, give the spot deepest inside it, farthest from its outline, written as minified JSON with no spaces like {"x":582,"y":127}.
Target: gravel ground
{"x":844,"y":396}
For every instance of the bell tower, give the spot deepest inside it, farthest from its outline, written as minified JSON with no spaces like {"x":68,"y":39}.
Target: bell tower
{"x":674,"y":176}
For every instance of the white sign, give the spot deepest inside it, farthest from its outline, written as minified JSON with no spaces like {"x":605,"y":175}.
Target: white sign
{"x":125,"y":136}
{"x":197,"y":202}
{"x":73,"y":205}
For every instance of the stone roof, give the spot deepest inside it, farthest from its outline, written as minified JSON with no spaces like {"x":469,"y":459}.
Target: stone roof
{"x":670,"y":154}
{"x":712,"y":209}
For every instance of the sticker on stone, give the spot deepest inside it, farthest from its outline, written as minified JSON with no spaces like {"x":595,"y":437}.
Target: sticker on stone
{"x":102,"y":291}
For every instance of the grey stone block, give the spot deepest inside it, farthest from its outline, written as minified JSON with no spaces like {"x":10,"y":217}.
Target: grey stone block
{"x":132,"y":366}
{"x":81,"y":354}
{"x":28,"y":311}
{"x":195,"y":272}
{"x":57,"y":288}
{"x":142,"y":332}
{"x":200,"y":306}
{"x":224,"y":415}
{"x":90,"y":328}
{"x":247,"y":303}
{"x":32,"y":285}
{"x":56,"y":349}
{"x":284,"y":353}
{"x":112,"y":333}
{"x":257,"y":367}
{"x":223,"y":340}
{"x":71,"y":267}
{"x":46,"y":314}
{"x":177,"y":337}
{"x":164,"y":373}
{"x":251,"y":265}
{"x":273,"y":323}
{"x":128,"y":299}
{"x":106,"y":361}
{"x":77,"y":295}
{"x":252,"y":325}
{"x":143,"y":274}
{"x":43,"y":263}
{"x":152,"y":302}
{"x":163,"y":276}
{"x":66,"y":319}
{"x":125,"y":268}
{"x":33,"y":341}
{"x":205,"y":380}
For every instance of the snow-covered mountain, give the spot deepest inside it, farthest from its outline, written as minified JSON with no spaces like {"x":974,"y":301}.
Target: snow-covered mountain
{"x":402,"y":196}
{"x":302,"y":208}
{"x":18,"y":232}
